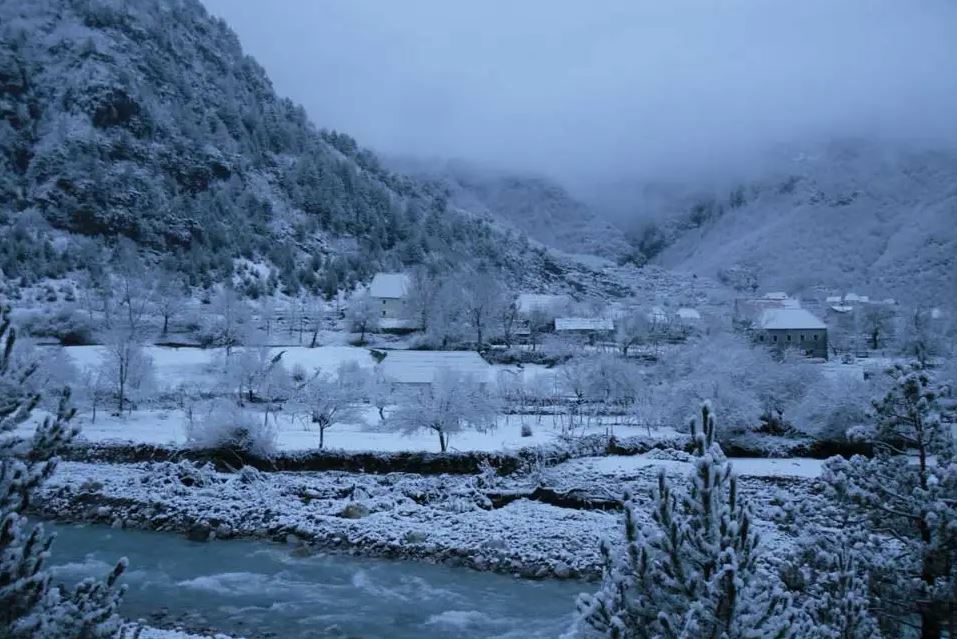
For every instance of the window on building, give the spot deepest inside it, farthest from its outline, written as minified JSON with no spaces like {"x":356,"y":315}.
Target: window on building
{"x":789,"y":337}
{"x":774,"y":338}
{"x":815,"y":338}
{"x":383,"y":313}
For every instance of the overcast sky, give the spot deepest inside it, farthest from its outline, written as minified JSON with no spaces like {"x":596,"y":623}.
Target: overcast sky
{"x":610,"y":87}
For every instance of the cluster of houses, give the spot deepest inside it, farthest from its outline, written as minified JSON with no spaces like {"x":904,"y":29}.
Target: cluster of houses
{"x":554,"y":313}
{"x":774,"y":319}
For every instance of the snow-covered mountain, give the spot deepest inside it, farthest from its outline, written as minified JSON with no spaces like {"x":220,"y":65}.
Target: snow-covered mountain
{"x":146,"y":120}
{"x":848,"y":216}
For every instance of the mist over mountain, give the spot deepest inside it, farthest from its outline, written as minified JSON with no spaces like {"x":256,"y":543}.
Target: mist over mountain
{"x":849,"y":215}
{"x":147,"y":121}
{"x":536,"y":205}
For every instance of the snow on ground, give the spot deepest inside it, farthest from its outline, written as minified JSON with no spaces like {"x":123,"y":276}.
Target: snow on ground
{"x":616,"y":465}
{"x":166,"y":426}
{"x":200,"y":369}
{"x":159,"y":633}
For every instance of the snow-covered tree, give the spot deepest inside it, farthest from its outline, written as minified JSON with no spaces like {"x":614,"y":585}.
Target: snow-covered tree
{"x":908,"y":494}
{"x":230,"y":323}
{"x":483,"y":298}
{"x":693,"y":570}
{"x":829,"y":574}
{"x":831,"y":407}
{"x":30,"y":605}
{"x":362,"y":315}
{"x":127,"y":367}
{"x":170,"y":298}
{"x":331,"y":399}
{"x":451,"y":404}
{"x":630,"y":331}
{"x":134,"y":284}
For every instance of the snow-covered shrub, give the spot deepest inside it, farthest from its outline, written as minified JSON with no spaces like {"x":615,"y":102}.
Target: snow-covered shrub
{"x":67,"y":325}
{"x":220,"y":424}
{"x":832,"y":407}
{"x":526,"y":430}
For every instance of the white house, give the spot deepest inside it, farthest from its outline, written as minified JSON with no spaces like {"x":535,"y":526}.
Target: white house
{"x":390,"y":292}
{"x":590,"y":328}
{"x":421,"y":368}
{"x":782,"y":328}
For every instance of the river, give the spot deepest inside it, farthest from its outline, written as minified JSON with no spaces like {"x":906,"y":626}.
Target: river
{"x":262,"y":589}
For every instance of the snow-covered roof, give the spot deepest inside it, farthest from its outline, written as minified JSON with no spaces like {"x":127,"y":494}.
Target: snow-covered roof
{"x":841,"y":308}
{"x":834,"y":299}
{"x":854,"y":297}
{"x":389,"y":285}
{"x":776,"y":295}
{"x":529,"y":302}
{"x":686,"y":313}
{"x":422,"y":367}
{"x":583,"y":324}
{"x":789,"y":318}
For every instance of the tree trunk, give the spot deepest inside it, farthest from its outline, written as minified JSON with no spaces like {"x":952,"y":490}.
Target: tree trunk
{"x":165,"y":324}
{"x":443,"y":442}
{"x":381,"y":413}
{"x":322,"y":436}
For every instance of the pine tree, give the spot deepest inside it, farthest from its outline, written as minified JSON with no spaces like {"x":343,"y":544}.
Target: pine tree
{"x":907,"y":493}
{"x":29,"y":605}
{"x":829,"y":571}
{"x":693,"y":572}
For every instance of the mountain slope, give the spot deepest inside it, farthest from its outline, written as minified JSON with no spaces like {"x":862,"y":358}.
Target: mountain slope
{"x":536,"y":206}
{"x":853,"y":216}
{"x":145,"y":119}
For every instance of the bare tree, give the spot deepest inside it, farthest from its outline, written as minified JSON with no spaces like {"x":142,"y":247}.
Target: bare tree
{"x":231,"y":320}
{"x":127,"y":367}
{"x":134,"y":284}
{"x":170,"y":297}
{"x":424,"y":289}
{"x":630,"y":331}
{"x":482,"y":299}
{"x":451,"y":404}
{"x":508,"y":316}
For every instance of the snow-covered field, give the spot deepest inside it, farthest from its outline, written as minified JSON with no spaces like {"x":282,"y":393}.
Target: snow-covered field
{"x":167,"y":427}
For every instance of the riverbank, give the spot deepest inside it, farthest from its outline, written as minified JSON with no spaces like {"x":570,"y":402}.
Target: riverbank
{"x":546,"y":523}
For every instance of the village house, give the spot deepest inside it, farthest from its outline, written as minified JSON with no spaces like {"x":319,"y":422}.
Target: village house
{"x":419,"y":369}
{"x":589,"y":329}
{"x":390,"y":293}
{"x":784,"y":328}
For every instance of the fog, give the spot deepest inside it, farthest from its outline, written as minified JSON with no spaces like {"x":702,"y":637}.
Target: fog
{"x":594,"y":91}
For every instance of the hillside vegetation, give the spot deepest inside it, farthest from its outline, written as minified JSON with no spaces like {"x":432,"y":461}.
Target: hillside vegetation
{"x":146,"y":120}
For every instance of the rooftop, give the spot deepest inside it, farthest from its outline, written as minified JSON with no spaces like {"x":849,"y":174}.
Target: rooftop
{"x":390,"y":285}
{"x":789,"y":318}
{"x":583,"y":324}
{"x":422,"y":367}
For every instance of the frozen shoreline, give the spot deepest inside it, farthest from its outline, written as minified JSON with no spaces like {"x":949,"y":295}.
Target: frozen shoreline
{"x":441,"y":518}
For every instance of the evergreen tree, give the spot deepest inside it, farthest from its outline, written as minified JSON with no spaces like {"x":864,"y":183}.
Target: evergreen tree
{"x":693,"y":572}
{"x":30,"y":606}
{"x":908,"y":494}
